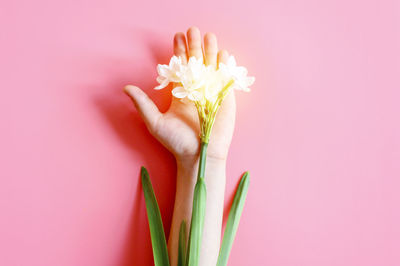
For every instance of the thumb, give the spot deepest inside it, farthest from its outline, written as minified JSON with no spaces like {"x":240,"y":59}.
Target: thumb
{"x":146,"y":107}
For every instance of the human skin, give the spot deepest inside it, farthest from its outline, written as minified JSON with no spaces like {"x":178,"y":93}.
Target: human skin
{"x":178,"y":130}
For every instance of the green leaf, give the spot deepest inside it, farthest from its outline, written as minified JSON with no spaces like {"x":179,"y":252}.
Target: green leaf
{"x":160,"y":251}
{"x":197,"y":223}
{"x":233,"y":220}
{"x":182,"y":244}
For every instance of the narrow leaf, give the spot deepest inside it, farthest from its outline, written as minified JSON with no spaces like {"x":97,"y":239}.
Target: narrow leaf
{"x":233,"y":220}
{"x":157,"y":234}
{"x":196,"y":226}
{"x":182,"y":244}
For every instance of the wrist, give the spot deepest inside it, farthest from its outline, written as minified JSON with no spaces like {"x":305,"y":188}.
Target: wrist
{"x":190,"y":162}
{"x":187,"y":170}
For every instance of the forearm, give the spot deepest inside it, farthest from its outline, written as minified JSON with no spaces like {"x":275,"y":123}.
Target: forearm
{"x":215,"y":183}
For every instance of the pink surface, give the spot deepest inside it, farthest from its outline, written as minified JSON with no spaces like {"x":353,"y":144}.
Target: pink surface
{"x":319,"y":132}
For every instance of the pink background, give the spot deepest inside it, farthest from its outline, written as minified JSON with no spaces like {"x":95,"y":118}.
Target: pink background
{"x":319,"y":132}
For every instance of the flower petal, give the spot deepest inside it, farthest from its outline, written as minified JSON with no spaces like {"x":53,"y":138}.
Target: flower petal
{"x":179,"y":92}
{"x":163,"y":70}
{"x":161,"y":86}
{"x":231,"y":61}
{"x":163,"y":83}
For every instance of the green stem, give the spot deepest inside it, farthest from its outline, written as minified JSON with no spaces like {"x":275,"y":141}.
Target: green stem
{"x":198,"y":211}
{"x":202,"y":160}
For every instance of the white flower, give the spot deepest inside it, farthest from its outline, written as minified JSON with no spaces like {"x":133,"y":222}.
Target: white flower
{"x":169,"y":73}
{"x":238,"y":73}
{"x":213,"y":84}
{"x":192,"y":79}
{"x":181,"y":92}
{"x":202,"y":83}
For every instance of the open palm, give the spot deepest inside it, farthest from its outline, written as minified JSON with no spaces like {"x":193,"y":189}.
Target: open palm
{"x":178,"y":128}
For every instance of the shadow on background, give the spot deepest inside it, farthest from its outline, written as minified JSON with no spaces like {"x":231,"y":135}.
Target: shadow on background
{"x":118,"y":111}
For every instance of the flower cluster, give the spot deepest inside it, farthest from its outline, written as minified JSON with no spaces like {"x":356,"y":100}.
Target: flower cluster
{"x":199,"y":82}
{"x":205,"y":85}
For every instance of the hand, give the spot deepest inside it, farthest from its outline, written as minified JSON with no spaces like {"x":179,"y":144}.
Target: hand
{"x":178,"y":128}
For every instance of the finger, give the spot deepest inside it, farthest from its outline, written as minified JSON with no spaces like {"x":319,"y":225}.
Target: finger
{"x":146,"y":107}
{"x":194,"y":43}
{"x":180,"y":48}
{"x":210,"y":49}
{"x":223,"y":56}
